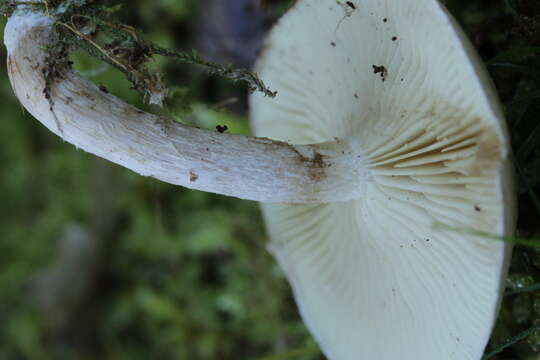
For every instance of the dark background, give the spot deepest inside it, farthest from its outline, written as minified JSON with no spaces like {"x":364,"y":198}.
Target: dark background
{"x":99,"y":263}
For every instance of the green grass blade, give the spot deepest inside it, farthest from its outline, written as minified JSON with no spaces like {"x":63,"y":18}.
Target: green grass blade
{"x":513,"y":340}
{"x":525,"y":289}
{"x":509,"y":67}
{"x":532,"y":243}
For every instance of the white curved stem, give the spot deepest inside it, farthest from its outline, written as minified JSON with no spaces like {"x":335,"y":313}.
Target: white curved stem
{"x":244,"y":167}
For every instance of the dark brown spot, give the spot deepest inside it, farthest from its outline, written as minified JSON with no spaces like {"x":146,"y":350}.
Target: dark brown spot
{"x":318,"y":161}
{"x":355,"y":95}
{"x":193,"y":177}
{"x":379,"y":69}
{"x":316,"y":165}
{"x":477,"y":208}
{"x":394,"y":38}
{"x":333,"y":44}
{"x":222,"y":128}
{"x":351,"y":5}
{"x":385,"y":20}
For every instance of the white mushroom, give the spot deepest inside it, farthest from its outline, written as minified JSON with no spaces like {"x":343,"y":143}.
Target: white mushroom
{"x":395,"y":126}
{"x":399,"y":81}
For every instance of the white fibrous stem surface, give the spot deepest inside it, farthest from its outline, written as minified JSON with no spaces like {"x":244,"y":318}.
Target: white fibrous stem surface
{"x":95,"y":121}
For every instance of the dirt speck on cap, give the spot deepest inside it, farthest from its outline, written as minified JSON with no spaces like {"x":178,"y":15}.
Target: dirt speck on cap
{"x":382,"y":70}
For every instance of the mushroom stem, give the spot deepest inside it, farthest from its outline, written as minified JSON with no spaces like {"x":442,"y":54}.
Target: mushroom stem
{"x":245,"y":167}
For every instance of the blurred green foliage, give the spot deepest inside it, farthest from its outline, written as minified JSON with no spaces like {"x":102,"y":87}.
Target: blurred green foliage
{"x":179,"y":274}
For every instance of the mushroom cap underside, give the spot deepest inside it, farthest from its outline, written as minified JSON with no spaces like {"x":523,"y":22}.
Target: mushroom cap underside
{"x":375,"y":278}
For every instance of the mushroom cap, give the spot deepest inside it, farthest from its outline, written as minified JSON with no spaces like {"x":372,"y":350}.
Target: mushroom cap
{"x":373,"y":277}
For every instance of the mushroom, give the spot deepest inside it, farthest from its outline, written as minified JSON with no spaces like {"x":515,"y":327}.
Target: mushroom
{"x":395,"y":127}
{"x":400,"y":83}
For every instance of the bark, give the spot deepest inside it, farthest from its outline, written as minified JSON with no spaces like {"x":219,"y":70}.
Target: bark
{"x":245,"y":167}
